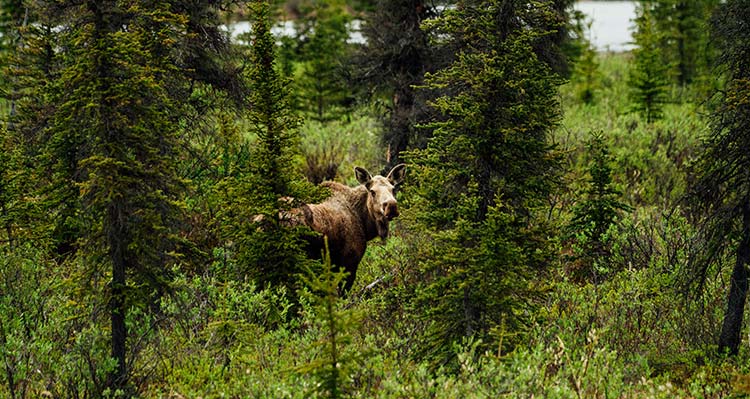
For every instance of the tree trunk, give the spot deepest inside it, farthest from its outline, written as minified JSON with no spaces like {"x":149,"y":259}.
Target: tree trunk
{"x":730,"y":338}
{"x":118,"y":245}
{"x":115,"y":220}
{"x":9,"y":370}
{"x":398,"y":127}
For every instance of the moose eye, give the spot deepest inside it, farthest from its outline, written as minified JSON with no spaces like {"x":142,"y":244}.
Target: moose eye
{"x":372,"y":192}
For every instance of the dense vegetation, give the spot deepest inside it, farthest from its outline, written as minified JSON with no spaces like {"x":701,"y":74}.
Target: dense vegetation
{"x":573,"y":224}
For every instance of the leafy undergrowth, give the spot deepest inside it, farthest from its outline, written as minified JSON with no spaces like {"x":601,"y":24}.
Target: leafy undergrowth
{"x":623,"y":339}
{"x":638,"y":333}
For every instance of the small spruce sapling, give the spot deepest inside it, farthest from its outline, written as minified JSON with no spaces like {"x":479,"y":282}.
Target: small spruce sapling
{"x":586,"y":71}
{"x":649,"y":75}
{"x":595,"y":213}
{"x":333,"y":368}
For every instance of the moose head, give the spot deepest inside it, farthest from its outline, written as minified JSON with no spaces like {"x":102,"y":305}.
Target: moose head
{"x":381,"y":202}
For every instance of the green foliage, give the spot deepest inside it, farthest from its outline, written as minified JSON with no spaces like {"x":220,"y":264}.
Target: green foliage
{"x":648,"y":160}
{"x":13,"y":17}
{"x":103,"y":126}
{"x":331,"y":147}
{"x":334,"y":366}
{"x":24,"y":288}
{"x":684,"y":37}
{"x":223,"y":338}
{"x":271,"y":118}
{"x":595,"y":213}
{"x":494,"y":134}
{"x":129,"y":128}
{"x":15,"y":212}
{"x":321,"y":52}
{"x":482,"y":284}
{"x":51,"y":342}
{"x":486,"y":168}
{"x":392,"y":62}
{"x":586,"y":74}
{"x":267,"y":251}
{"x":649,"y":76}
{"x":109,"y":98}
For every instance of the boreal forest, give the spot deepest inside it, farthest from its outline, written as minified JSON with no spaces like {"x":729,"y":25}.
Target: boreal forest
{"x":373,"y":199}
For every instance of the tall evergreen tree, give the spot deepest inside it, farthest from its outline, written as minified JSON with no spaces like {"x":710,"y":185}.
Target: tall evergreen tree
{"x":649,"y":77}
{"x":113,"y":96}
{"x":722,"y":189}
{"x":559,"y":47}
{"x":585,"y":75}
{"x":11,"y":18}
{"x":322,"y":51}
{"x":393,"y":61}
{"x":30,"y":64}
{"x":684,"y":35}
{"x":202,"y":59}
{"x":270,"y":252}
{"x":486,"y":169}
{"x":101,"y":103}
{"x":596,"y":211}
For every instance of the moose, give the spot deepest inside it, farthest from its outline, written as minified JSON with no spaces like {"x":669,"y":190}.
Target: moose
{"x":350,"y":218}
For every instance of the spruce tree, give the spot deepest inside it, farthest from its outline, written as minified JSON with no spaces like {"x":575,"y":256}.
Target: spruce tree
{"x":684,"y":36}
{"x":722,"y":189}
{"x":649,"y":79}
{"x":269,"y":252}
{"x":392,"y":62}
{"x":322,"y":92}
{"x":597,"y":210}
{"x":335,"y":365}
{"x":114,"y":97}
{"x":12,"y":18}
{"x":9,"y":192}
{"x":586,"y":75}
{"x":101,"y":102}
{"x":559,"y":47}
{"x":484,"y":173}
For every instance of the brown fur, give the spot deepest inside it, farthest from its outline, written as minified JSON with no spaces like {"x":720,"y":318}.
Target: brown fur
{"x":350,"y":218}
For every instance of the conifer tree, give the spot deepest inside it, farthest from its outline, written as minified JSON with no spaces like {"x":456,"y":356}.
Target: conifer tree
{"x":585,"y":74}
{"x":596,"y":212}
{"x":684,"y":38}
{"x":112,"y":78}
{"x":334,"y":367}
{"x":12,"y":17}
{"x":484,"y":172}
{"x":322,"y":92}
{"x":30,"y":64}
{"x":722,"y":189}
{"x":113,"y":96}
{"x":393,"y":61}
{"x":558,"y":48}
{"x":270,"y":252}
{"x":17,"y":211}
{"x":8,"y":192}
{"x":649,"y":77}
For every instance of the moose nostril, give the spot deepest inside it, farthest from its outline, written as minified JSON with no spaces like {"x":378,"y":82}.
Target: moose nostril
{"x":391,"y":210}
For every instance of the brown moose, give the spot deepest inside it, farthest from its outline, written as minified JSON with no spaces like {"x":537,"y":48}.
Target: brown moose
{"x":350,"y":218}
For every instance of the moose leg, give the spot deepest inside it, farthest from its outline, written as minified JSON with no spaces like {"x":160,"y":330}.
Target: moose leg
{"x":349,"y":264}
{"x":349,"y":282}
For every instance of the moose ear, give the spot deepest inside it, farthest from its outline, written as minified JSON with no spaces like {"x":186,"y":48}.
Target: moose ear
{"x":396,"y":175}
{"x":363,"y":176}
